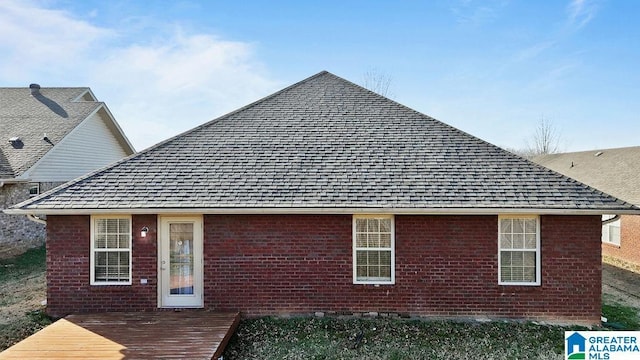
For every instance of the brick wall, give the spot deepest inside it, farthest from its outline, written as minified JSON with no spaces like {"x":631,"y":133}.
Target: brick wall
{"x":68,"y":251}
{"x":445,"y":266}
{"x":629,"y":249}
{"x":296,"y":264}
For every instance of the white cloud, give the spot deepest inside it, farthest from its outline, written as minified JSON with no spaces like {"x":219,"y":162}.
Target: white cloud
{"x":38,"y":40}
{"x":155,"y":88}
{"x":580,"y":13}
{"x":468,"y":12}
{"x":187,"y":80}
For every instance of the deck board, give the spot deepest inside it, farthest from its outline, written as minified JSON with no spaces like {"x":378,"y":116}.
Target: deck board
{"x":148,"y":335}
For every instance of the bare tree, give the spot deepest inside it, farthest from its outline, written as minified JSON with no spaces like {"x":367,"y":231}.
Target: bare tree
{"x":546,"y":139}
{"x":377,"y":81}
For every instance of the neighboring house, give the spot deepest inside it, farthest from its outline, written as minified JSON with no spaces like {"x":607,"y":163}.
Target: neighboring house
{"x":49,"y":136}
{"x":615,"y":172}
{"x":326,"y":197}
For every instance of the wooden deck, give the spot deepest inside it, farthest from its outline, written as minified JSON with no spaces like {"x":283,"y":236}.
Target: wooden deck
{"x":150,"y":335}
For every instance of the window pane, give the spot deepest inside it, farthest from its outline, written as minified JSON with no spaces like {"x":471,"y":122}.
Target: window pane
{"x":505,"y":241}
{"x":374,"y":271}
{"x":361,"y":258}
{"x":614,"y":234}
{"x":505,"y":226}
{"x":385,"y":225}
{"x":518,"y":226}
{"x":361,"y":240}
{"x":123,"y":241}
{"x":100,"y":241}
{"x":374,"y":240}
{"x":112,"y":226}
{"x":517,"y":274}
{"x":361,"y":225}
{"x":372,"y":225}
{"x":124,"y":258}
{"x":530,"y":226}
{"x":385,"y":257}
{"x":505,"y":258}
{"x":385,"y":271}
{"x":505,"y":274}
{"x":529,"y":258}
{"x":516,"y":258}
{"x":101,"y":258}
{"x":362,"y":271}
{"x":123,"y":226}
{"x":113,"y":258}
{"x":385,"y":240}
{"x":101,"y":273}
{"x":529,"y":274}
{"x":373,"y":258}
{"x":112,"y":241}
{"x":530,"y":241}
{"x":101,"y":226}
{"x":518,"y":241}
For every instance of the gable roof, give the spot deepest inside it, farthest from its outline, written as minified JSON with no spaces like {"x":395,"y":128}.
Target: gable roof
{"x":614,"y":171}
{"x":52,"y":111}
{"x":323,"y":143}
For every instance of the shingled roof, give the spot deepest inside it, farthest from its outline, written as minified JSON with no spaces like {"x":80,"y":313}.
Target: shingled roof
{"x":614,"y":171}
{"x":324,"y":143}
{"x":51,"y":111}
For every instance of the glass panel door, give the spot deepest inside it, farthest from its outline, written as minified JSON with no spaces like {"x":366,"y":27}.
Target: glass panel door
{"x":180,"y":262}
{"x":181,"y":259}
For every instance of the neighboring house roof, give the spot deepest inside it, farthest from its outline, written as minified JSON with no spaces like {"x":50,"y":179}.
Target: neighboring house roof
{"x":324,"y":144}
{"x":614,"y":171}
{"x":54,"y":112}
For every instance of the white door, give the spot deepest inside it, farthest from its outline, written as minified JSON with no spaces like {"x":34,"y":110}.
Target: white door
{"x":180,"y":262}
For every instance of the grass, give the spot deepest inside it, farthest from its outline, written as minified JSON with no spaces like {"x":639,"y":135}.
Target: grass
{"x":21,"y":290}
{"x":392,"y":338}
{"x":620,"y":317}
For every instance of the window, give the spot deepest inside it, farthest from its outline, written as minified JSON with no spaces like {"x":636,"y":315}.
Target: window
{"x":611,"y":231}
{"x":519,"y":250}
{"x":111,"y":250}
{"x":34,"y":189}
{"x":373,"y":250}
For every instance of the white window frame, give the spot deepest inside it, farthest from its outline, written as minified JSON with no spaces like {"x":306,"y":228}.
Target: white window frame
{"x":94,"y":250}
{"x":32,"y":186}
{"x":606,"y":230}
{"x":392,"y":280}
{"x":537,"y":251}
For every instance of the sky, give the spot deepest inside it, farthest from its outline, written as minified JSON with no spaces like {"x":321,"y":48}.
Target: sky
{"x":493,"y":69}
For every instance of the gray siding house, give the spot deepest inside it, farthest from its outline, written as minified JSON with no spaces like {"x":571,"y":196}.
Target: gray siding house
{"x":49,"y":136}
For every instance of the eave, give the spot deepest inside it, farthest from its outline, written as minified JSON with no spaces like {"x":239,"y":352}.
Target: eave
{"x":327,"y":210}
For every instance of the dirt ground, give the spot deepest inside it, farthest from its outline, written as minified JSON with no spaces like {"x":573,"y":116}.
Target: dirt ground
{"x":621,"y":285}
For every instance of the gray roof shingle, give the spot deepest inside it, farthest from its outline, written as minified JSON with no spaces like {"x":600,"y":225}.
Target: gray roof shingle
{"x":324,"y":143}
{"x":53,"y":112}
{"x":614,"y":171}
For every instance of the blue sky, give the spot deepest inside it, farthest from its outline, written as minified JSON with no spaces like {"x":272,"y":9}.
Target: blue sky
{"x":490,"y":68}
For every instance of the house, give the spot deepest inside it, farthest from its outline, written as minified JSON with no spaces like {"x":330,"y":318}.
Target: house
{"x":49,"y":136}
{"x":615,"y":172}
{"x":326,"y":197}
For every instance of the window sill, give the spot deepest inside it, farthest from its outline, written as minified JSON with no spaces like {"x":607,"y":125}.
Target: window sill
{"x":519,"y":284}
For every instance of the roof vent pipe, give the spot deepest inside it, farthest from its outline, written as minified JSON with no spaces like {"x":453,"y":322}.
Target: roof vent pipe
{"x":35,"y":89}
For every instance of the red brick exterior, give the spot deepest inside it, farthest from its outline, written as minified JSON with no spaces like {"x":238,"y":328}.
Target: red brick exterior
{"x":629,"y":249}
{"x":68,"y":261}
{"x":446,"y":266}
